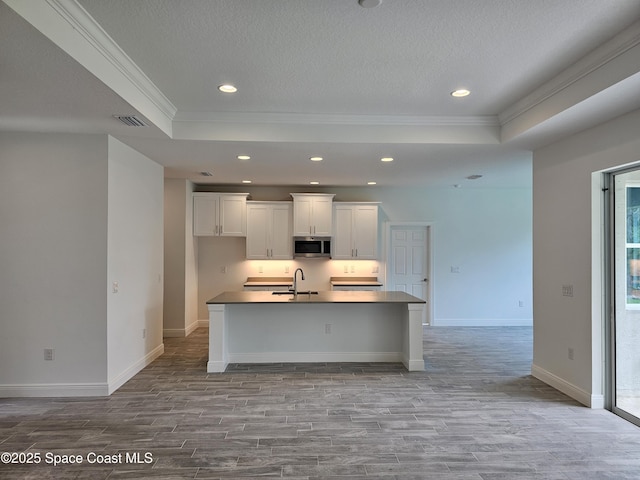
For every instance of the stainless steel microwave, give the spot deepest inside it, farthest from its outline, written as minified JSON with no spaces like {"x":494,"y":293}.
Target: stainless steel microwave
{"x":311,"y":247}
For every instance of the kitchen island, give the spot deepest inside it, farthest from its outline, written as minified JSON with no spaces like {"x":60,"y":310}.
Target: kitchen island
{"x":326,"y":326}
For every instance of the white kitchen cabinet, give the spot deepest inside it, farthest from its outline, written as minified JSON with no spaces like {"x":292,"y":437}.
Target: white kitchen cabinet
{"x":220,"y":214}
{"x":355,"y":231}
{"x":312,"y":214}
{"x":269,"y":231}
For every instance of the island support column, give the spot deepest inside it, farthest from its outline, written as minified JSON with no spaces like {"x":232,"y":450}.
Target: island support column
{"x":218,"y":358}
{"x":413,"y":351}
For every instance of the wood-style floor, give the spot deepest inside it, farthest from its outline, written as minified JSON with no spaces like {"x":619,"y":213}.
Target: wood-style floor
{"x":474,"y":414}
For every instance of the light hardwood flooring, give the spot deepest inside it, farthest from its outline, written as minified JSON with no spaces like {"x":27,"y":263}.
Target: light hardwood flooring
{"x":474,"y":414}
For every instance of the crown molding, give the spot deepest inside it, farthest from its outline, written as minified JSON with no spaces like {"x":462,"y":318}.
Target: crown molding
{"x":583,"y":68}
{"x":92,"y":32}
{"x":69,"y":26}
{"x":334,"y":119}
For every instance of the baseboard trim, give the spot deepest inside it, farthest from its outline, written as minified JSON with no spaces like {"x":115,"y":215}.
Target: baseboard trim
{"x":129,"y":373}
{"x":191,"y":327}
{"x":315,"y":357}
{"x":55,"y":390}
{"x":482,"y":322}
{"x":184,"y":332}
{"x":173,"y":332}
{"x":585,"y":398}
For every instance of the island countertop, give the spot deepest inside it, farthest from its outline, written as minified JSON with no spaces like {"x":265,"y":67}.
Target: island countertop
{"x":331,"y":296}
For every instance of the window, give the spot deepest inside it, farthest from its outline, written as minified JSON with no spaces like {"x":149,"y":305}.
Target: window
{"x":633,"y":246}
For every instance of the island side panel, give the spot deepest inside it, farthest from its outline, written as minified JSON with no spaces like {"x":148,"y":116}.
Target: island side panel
{"x":218,"y":336}
{"x":330,"y":332}
{"x":412,"y":346}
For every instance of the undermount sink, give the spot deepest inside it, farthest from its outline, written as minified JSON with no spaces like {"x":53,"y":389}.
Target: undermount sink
{"x":301,"y":292}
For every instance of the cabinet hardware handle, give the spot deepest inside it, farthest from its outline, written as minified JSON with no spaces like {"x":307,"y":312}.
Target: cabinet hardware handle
{"x":356,"y":252}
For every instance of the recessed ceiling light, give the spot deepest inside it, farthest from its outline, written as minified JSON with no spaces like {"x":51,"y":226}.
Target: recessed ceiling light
{"x":206,"y":174}
{"x":246,"y":181}
{"x":474,"y":177}
{"x":314,"y":183}
{"x":243,"y":157}
{"x":316,"y":159}
{"x":227,"y":88}
{"x":460,"y":93}
{"x":371,"y":183}
{"x":386,"y":159}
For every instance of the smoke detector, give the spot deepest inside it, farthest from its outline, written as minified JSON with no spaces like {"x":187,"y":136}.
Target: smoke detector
{"x":369,"y":3}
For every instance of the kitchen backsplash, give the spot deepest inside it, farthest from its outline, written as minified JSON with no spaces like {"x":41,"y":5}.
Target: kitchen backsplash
{"x":222,"y":267}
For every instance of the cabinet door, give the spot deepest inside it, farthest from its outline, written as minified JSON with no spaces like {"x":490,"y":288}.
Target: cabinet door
{"x":233,"y":220}
{"x":365,"y":232}
{"x":281,"y":238}
{"x":343,"y":233}
{"x":321,"y":216}
{"x":257,"y":231}
{"x":205,"y":215}
{"x":302,"y":217}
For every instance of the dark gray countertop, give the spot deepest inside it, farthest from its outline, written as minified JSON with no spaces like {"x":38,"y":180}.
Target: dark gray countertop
{"x":268,"y":281}
{"x":355,"y":281}
{"x":320,"y":297}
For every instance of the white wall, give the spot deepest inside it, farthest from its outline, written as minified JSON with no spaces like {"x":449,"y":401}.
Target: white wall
{"x":77,"y":213}
{"x":53,"y":264}
{"x":484,"y":232}
{"x":135,"y":262}
{"x":180,"y":260}
{"x":566,"y":239}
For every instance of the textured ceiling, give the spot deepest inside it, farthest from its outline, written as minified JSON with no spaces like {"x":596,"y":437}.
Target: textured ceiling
{"x":333,"y":56}
{"x":323,"y":77}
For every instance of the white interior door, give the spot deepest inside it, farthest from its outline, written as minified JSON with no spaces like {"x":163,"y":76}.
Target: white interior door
{"x":408,"y":263}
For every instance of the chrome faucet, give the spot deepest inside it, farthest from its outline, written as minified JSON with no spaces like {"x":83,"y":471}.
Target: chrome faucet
{"x":295,"y":279}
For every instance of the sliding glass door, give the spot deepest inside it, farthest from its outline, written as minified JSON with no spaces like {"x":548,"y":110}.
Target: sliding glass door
{"x":625,"y":332}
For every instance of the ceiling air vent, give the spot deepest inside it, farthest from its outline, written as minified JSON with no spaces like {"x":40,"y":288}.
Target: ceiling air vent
{"x":131,"y":120}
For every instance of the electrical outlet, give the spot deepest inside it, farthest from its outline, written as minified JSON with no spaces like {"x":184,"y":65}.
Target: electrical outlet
{"x":260,"y":269}
{"x":115,"y":288}
{"x":570,"y":353}
{"x":455,"y":269}
{"x":346,"y":269}
{"x":327,"y":328}
{"x":353,"y":269}
{"x":223,"y":269}
{"x":521,"y":303}
{"x":286,"y":269}
{"x":48,"y":354}
{"x":567,"y":290}
{"x":375,"y":269}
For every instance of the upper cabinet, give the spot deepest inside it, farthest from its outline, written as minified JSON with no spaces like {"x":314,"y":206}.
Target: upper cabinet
{"x":355,"y":231}
{"x":269,"y":231}
{"x":312,"y":214}
{"x":220,"y":214}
